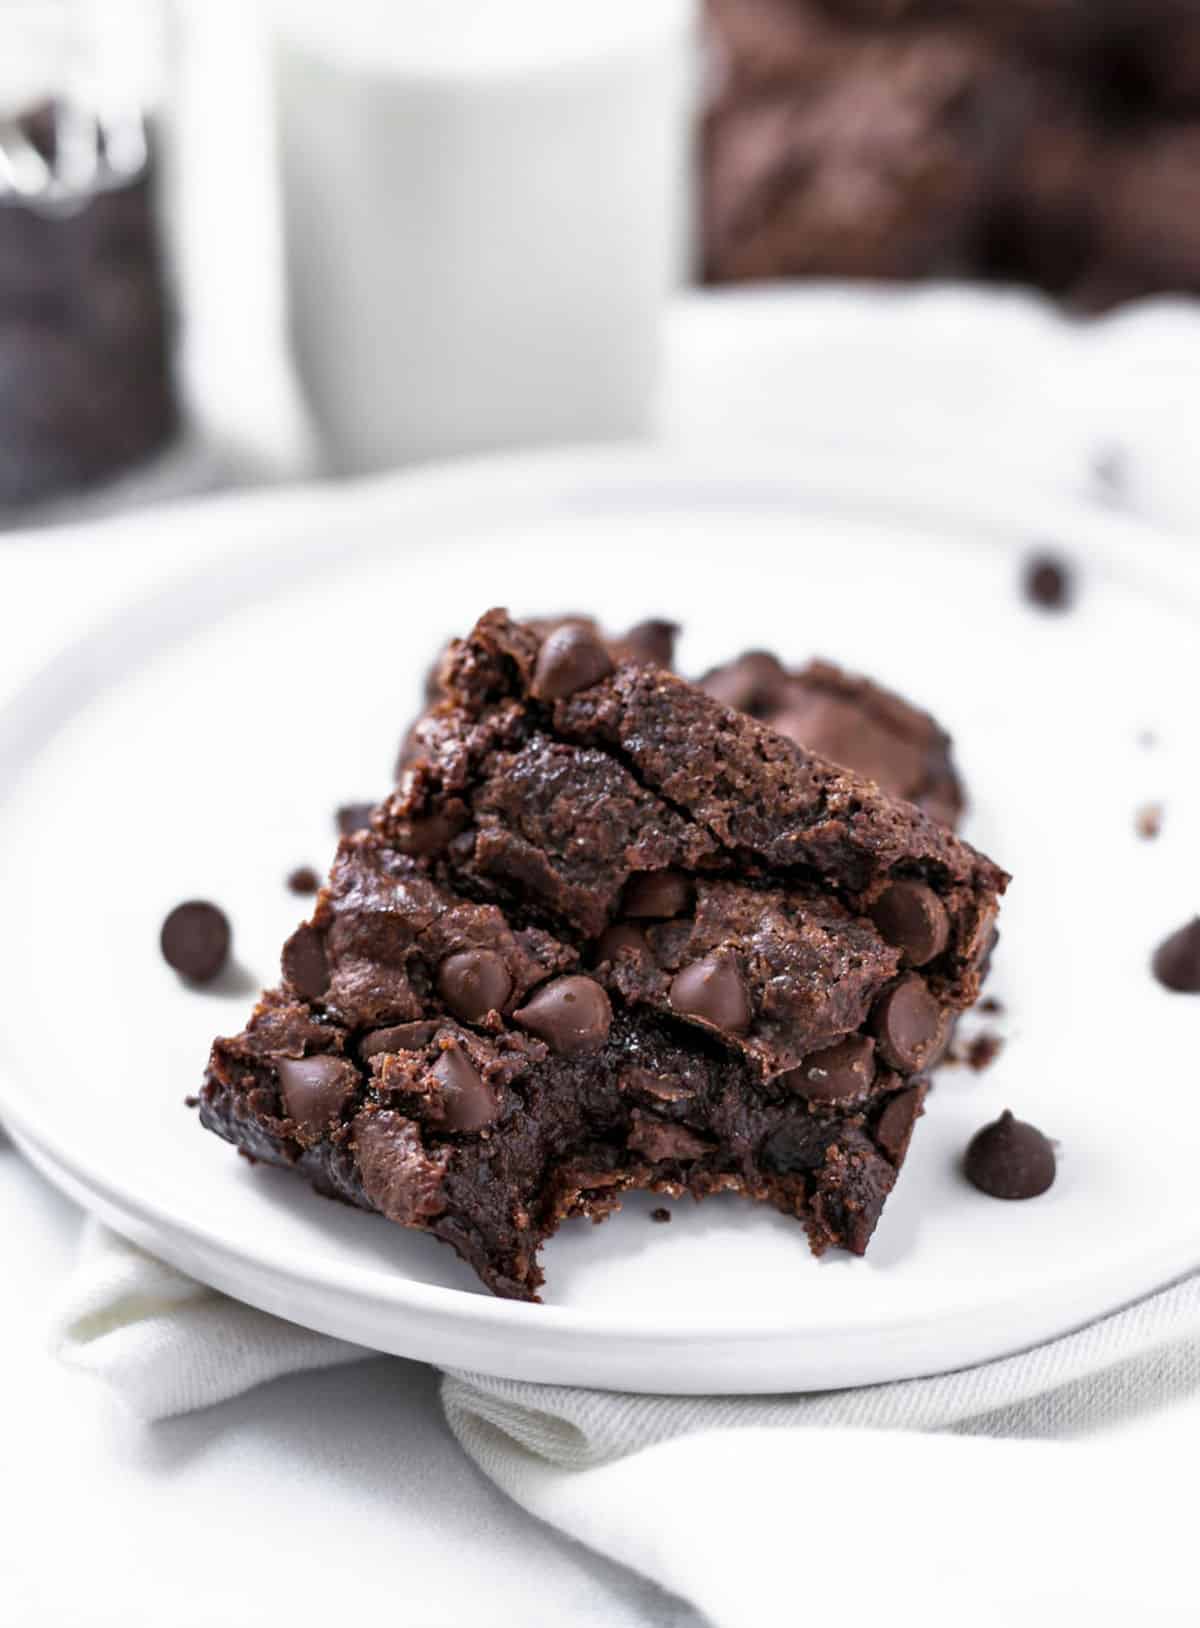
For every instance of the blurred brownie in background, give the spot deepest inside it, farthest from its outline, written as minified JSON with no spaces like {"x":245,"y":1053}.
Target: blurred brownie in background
{"x":1051,"y":142}
{"x":85,"y":378}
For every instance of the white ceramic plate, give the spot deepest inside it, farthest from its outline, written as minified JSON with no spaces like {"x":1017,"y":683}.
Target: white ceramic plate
{"x":197,"y":745}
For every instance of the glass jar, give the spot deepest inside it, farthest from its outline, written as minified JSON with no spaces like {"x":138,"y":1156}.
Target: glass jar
{"x":86,"y":386}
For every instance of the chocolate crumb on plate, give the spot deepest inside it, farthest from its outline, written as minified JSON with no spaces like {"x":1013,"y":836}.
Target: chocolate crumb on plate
{"x":991,"y":1006}
{"x":983,"y":1050}
{"x":304,"y":880}
{"x":195,"y":940}
{"x":1010,"y":1159}
{"x":1048,"y":582}
{"x":352,"y":817}
{"x":660,"y":1214}
{"x":1176,"y":961}
{"x":1149,"y":821}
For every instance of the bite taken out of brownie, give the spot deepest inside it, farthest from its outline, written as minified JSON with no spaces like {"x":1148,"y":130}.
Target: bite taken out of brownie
{"x":609,"y":934}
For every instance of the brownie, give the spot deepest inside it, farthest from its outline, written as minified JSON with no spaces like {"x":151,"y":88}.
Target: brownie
{"x":609,"y":934}
{"x":851,"y":721}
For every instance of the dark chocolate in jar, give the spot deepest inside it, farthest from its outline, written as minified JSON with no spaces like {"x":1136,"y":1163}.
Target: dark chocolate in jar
{"x":86,"y":387}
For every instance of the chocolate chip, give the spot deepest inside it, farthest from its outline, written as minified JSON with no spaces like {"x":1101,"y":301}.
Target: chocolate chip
{"x":661,"y":1214}
{"x":571,"y":658}
{"x":657,"y":895}
{"x":195,"y":940}
{"x":911,"y":917}
{"x":895,"y":1127}
{"x":468,"y":1101}
{"x":1048,"y":582}
{"x":908,"y":1025}
{"x":304,"y":964}
{"x":473,"y":983}
{"x":399,"y":1037}
{"x":652,"y":642}
{"x":315,"y":1090}
{"x":982,"y":1050}
{"x":754,"y":683}
{"x":622,"y":936}
{"x":304,"y":880}
{"x":428,"y":834}
{"x":712,"y":991}
{"x":399,"y":1178}
{"x":572,"y":1015}
{"x":1177,"y":960}
{"x":836,"y":1073}
{"x":352,"y":817}
{"x":1010,"y":1159}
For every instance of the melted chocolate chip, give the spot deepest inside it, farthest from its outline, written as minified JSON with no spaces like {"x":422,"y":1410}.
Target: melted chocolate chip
{"x":622,"y":936}
{"x":195,"y":940}
{"x":473,"y":983}
{"x":571,"y":658}
{"x":909,"y":1025}
{"x":712,"y":991}
{"x":1177,"y":960}
{"x":468,"y":1101}
{"x":352,"y":817}
{"x":837,"y":1073}
{"x":572,"y":1015}
{"x":911,"y":917}
{"x":304,"y":880}
{"x":895,"y":1127}
{"x":399,"y":1037}
{"x":1010,"y":1159}
{"x":657,"y":895}
{"x":315,"y":1090}
{"x":304,"y":964}
{"x":399,"y":1177}
{"x":1048,"y":582}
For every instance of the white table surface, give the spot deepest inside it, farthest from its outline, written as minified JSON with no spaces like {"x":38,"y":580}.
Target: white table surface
{"x":220,"y":1517}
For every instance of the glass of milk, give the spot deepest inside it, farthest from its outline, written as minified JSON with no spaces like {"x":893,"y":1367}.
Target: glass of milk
{"x":485,"y":209}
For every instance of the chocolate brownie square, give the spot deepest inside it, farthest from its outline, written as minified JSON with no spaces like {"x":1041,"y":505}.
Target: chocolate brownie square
{"x":609,"y":934}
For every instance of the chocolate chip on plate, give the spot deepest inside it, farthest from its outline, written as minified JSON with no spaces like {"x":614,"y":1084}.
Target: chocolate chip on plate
{"x":468,"y":1101}
{"x":660,"y":1214}
{"x":571,"y":658}
{"x":1010,"y":1159}
{"x":1176,"y":961}
{"x":195,"y":940}
{"x":656,"y":895}
{"x":315,"y":1090}
{"x":1048,"y":582}
{"x":572,"y":1015}
{"x":304,"y":880}
{"x":909,"y":1025}
{"x":845,"y":1069}
{"x":473,"y":983}
{"x":304,"y":964}
{"x":352,"y":817}
{"x":911,"y":917}
{"x":712,"y":991}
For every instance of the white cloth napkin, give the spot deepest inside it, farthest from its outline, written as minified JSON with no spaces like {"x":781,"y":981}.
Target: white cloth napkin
{"x":886,"y":1497}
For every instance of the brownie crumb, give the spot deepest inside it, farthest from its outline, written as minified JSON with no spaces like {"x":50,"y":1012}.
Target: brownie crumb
{"x":1048,"y":582}
{"x":660,"y":1214}
{"x":983,"y":1050}
{"x":352,"y":817}
{"x":1010,"y":1159}
{"x":991,"y":1005}
{"x":304,"y":880}
{"x":1149,"y":821}
{"x":191,"y":1102}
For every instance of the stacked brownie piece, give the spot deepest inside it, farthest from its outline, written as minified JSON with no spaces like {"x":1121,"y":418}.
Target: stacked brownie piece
{"x":1046,"y":141}
{"x":608,"y":933}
